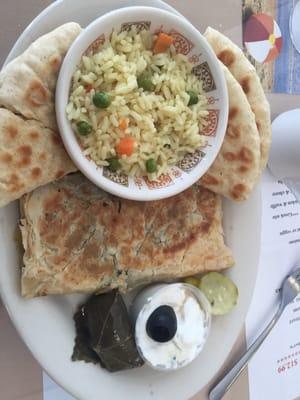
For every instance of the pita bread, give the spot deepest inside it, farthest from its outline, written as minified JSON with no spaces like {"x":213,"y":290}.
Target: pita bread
{"x":244,"y":72}
{"x":78,"y":238}
{"x":31,"y":152}
{"x":237,"y":166}
{"x":30,"y":156}
{"x":27,"y":84}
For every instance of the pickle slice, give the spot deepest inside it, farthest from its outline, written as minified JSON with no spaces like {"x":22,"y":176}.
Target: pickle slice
{"x":220,"y":291}
{"x":192,"y":281}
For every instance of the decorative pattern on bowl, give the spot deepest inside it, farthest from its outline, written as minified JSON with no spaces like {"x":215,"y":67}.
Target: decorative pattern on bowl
{"x":212,"y":120}
{"x":182,"y":44}
{"x":139,"y":26}
{"x":191,"y":160}
{"x":116,"y":177}
{"x":163,"y":180}
{"x":203,"y":72}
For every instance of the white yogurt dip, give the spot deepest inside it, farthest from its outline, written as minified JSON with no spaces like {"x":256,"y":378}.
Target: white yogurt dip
{"x":193,"y":322}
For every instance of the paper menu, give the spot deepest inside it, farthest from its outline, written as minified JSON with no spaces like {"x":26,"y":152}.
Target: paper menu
{"x":275,"y":369}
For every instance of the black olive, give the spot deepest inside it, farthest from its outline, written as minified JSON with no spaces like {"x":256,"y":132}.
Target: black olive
{"x":162,"y":324}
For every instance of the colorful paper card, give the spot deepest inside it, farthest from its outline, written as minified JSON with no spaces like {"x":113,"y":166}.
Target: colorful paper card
{"x":271,"y":37}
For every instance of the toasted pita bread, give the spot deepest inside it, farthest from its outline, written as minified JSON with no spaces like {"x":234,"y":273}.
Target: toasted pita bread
{"x":244,"y":72}
{"x":30,"y":156}
{"x":27,"y":84}
{"x":237,"y":166}
{"x":78,"y":238}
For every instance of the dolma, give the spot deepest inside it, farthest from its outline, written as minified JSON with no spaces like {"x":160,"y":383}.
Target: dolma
{"x":105,"y":334}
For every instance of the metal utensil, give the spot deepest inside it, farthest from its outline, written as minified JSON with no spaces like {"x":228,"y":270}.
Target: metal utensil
{"x":289,"y":290}
{"x":284,"y":160}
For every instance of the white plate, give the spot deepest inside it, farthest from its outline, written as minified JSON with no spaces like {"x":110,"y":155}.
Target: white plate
{"x":46,"y":324}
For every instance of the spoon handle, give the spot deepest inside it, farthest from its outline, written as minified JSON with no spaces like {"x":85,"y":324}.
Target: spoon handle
{"x":228,"y":380}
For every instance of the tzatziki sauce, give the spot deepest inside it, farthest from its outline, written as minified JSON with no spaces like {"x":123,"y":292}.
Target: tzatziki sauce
{"x":172,"y":326}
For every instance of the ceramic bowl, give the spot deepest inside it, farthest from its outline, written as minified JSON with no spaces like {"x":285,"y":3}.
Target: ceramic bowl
{"x":146,"y":302}
{"x":188,"y":41}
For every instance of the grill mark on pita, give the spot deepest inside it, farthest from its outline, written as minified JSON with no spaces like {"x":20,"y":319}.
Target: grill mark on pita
{"x":34,"y":135}
{"x":53,"y":203}
{"x":245,"y":83}
{"x":75,"y":242}
{"x":56,"y":140}
{"x":238,"y":191}
{"x":43,"y":156}
{"x":243,"y":169}
{"x":75,"y":239}
{"x":59,"y":174}
{"x":36,"y":94}
{"x":245,"y":155}
{"x":233,"y":112}
{"x":233,"y":132}
{"x":25,"y":153}
{"x":11,"y":131}
{"x":6,"y":158}
{"x":227,"y":57}
{"x":177,"y":247}
{"x":205,"y":227}
{"x":55,"y":62}
{"x":72,"y":258}
{"x":14,"y":183}
{"x":92,"y":250}
{"x":210,"y":180}
{"x":24,"y":162}
{"x":79,"y":253}
{"x":206,"y":203}
{"x":190,"y":239}
{"x":229,"y":156}
{"x":36,"y":172}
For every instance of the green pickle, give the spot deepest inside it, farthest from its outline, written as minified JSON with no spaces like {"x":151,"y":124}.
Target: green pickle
{"x":192,"y":281}
{"x":220,"y":291}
